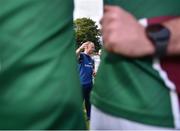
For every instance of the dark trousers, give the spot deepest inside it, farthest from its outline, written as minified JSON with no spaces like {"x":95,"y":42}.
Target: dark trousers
{"x":86,"y":97}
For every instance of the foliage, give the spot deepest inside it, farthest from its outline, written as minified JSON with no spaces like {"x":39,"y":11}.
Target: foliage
{"x":87,"y":30}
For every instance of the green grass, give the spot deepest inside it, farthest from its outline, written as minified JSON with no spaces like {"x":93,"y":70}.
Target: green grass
{"x":87,"y":121}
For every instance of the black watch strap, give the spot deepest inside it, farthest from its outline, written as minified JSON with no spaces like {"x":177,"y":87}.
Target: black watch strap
{"x":160,"y":48}
{"x":159,"y":35}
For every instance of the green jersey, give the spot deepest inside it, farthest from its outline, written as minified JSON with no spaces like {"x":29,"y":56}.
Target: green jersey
{"x":134,"y":88}
{"x":37,"y":52}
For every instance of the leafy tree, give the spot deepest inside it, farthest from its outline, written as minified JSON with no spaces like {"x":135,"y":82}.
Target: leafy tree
{"x":87,"y":30}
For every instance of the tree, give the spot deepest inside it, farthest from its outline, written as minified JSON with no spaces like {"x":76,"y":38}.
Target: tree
{"x":87,"y":30}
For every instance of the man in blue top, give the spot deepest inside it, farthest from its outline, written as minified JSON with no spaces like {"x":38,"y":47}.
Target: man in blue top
{"x":86,"y":71}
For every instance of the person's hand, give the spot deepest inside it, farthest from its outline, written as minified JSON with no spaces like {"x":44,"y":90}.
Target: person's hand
{"x":94,"y":73}
{"x":123,"y":34}
{"x":83,"y":46}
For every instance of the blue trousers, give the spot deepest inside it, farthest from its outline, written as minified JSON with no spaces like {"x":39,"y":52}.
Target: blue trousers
{"x":86,"y":89}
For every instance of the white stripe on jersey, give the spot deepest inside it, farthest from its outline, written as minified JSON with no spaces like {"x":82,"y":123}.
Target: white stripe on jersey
{"x":169,"y":84}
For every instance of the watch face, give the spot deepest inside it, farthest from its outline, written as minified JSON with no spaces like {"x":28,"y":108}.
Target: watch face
{"x":157,"y":32}
{"x":159,"y":35}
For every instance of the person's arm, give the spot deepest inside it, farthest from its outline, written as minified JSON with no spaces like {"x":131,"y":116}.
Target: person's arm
{"x":124,"y":35}
{"x":80,"y":49}
{"x":174,"y":45}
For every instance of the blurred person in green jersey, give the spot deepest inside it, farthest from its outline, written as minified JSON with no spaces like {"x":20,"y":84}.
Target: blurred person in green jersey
{"x":37,"y":50}
{"x":138,"y":83}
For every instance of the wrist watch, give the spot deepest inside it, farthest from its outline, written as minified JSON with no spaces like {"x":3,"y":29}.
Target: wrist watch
{"x":159,"y":35}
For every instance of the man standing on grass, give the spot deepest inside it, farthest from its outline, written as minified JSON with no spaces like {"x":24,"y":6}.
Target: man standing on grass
{"x":86,"y":72}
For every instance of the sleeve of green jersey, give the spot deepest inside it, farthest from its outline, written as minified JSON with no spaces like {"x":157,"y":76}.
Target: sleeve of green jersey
{"x":148,"y":8}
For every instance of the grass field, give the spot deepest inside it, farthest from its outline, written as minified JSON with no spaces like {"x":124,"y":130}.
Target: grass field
{"x":87,"y":121}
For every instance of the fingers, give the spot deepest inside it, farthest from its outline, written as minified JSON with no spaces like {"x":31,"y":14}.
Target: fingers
{"x":109,"y":25}
{"x":110,"y":40}
{"x":110,"y":14}
{"x":109,"y":8}
{"x":84,"y":45}
{"x":113,"y":23}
